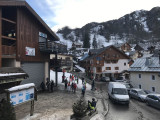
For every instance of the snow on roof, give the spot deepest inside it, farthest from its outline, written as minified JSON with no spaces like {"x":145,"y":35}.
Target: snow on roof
{"x":82,"y":69}
{"x":146,"y":64}
{"x":20,"y":87}
{"x":11,"y":74}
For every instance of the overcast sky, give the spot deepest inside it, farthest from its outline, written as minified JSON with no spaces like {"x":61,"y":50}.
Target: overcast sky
{"x":77,"y":13}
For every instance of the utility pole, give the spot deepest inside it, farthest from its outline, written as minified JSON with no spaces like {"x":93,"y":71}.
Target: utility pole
{"x":56,"y":67}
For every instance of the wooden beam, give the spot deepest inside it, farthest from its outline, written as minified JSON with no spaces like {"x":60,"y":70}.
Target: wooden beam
{"x":5,"y":37}
{"x":10,"y":21}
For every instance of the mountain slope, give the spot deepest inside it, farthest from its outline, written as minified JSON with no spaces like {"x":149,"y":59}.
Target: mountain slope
{"x":138,"y":26}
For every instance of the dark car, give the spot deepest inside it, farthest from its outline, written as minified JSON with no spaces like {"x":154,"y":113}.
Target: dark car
{"x":105,"y":79}
{"x":153,"y":100}
{"x":138,"y":94}
{"x":147,"y":91}
{"x":119,"y":79}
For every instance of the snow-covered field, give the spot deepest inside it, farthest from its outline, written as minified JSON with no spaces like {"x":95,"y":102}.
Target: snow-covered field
{"x":79,"y":85}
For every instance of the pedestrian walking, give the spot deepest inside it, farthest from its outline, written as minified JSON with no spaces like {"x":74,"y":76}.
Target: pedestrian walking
{"x":52,"y":85}
{"x":75,"y":87}
{"x":65,"y":82}
{"x":83,"y":89}
{"x":48,"y":85}
{"x":42,"y":86}
{"x":73,"y":77}
{"x":93,"y":84}
{"x":69,"y":86}
{"x":72,"y":86}
{"x":77,"y":80}
{"x":82,"y":80}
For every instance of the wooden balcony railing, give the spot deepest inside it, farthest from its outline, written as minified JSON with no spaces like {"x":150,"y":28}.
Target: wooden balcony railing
{"x":51,"y":47}
{"x":8,"y":50}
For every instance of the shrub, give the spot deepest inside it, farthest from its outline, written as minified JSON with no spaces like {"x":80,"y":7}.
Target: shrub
{"x":7,"y":111}
{"x":80,"y":108}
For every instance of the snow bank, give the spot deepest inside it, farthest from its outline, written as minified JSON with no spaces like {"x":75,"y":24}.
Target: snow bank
{"x":20,"y":87}
{"x":79,"y":85}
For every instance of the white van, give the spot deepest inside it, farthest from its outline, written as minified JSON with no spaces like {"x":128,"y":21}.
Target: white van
{"x":118,"y":92}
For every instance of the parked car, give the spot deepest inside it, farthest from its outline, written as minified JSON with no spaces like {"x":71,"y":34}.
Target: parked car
{"x":147,"y":91}
{"x":128,"y":86}
{"x":153,"y":99}
{"x":119,"y":79}
{"x":138,"y":94}
{"x":117,"y":92}
{"x":105,"y":79}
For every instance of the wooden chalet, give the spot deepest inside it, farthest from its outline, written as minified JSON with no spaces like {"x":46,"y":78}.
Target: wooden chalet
{"x":25,"y":40}
{"x":126,"y":47}
{"x":108,"y":61}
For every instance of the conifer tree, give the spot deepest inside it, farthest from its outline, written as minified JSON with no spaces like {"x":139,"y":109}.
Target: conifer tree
{"x":94,"y":44}
{"x":6,"y":111}
{"x":86,"y":40}
{"x":80,"y":108}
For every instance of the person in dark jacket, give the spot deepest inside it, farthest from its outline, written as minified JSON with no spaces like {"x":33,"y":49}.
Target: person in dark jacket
{"x":93,"y":84}
{"x":52,"y":85}
{"x":72,"y":86}
{"x":65,"y":82}
{"x":83,"y":89}
{"x":42,"y":86}
{"x":92,"y":105}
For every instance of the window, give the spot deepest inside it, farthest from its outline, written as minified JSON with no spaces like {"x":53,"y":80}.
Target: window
{"x":139,"y":75}
{"x":114,"y":61}
{"x":153,"y":77}
{"x":140,"y":86}
{"x":107,"y":56}
{"x":124,"y":64}
{"x":153,"y":89}
{"x":116,"y":68}
{"x":108,"y":61}
{"x":99,"y":69}
{"x":108,"y":68}
{"x":67,"y":58}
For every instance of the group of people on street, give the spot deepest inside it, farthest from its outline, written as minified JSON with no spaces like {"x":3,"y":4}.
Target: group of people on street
{"x":49,"y":85}
{"x":71,"y":84}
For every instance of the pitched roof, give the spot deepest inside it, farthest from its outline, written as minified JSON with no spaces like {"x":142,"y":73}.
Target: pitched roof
{"x":96,"y":52}
{"x":12,"y":72}
{"x":22,"y":3}
{"x":150,"y":64}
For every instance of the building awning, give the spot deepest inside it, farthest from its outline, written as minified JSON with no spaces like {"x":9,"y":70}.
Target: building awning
{"x":12,"y":74}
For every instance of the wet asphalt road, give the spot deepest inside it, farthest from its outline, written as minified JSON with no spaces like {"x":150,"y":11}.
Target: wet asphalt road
{"x":135,"y":111}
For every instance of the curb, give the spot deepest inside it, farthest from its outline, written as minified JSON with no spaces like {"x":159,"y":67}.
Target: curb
{"x":107,"y":108}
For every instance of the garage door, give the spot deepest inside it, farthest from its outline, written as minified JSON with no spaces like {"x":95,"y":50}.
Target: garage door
{"x":36,"y":73}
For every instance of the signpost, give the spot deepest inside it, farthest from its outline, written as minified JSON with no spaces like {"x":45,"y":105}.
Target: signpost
{"x":22,"y":94}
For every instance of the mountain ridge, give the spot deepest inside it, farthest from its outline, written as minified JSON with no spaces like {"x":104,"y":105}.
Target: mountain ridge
{"x":138,"y":26}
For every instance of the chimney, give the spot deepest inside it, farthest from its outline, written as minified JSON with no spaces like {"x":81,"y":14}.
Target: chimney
{"x":148,"y":61}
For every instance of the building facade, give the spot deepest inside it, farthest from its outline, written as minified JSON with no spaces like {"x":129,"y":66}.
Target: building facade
{"x":25,"y":40}
{"x":145,"y":74}
{"x":109,"y":61}
{"x":66,"y":61}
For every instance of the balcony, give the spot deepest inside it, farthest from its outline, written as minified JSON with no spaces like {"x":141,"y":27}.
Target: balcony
{"x":8,"y":50}
{"x":51,"y":47}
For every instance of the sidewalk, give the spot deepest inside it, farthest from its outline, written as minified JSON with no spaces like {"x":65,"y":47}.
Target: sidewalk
{"x":58,"y":106}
